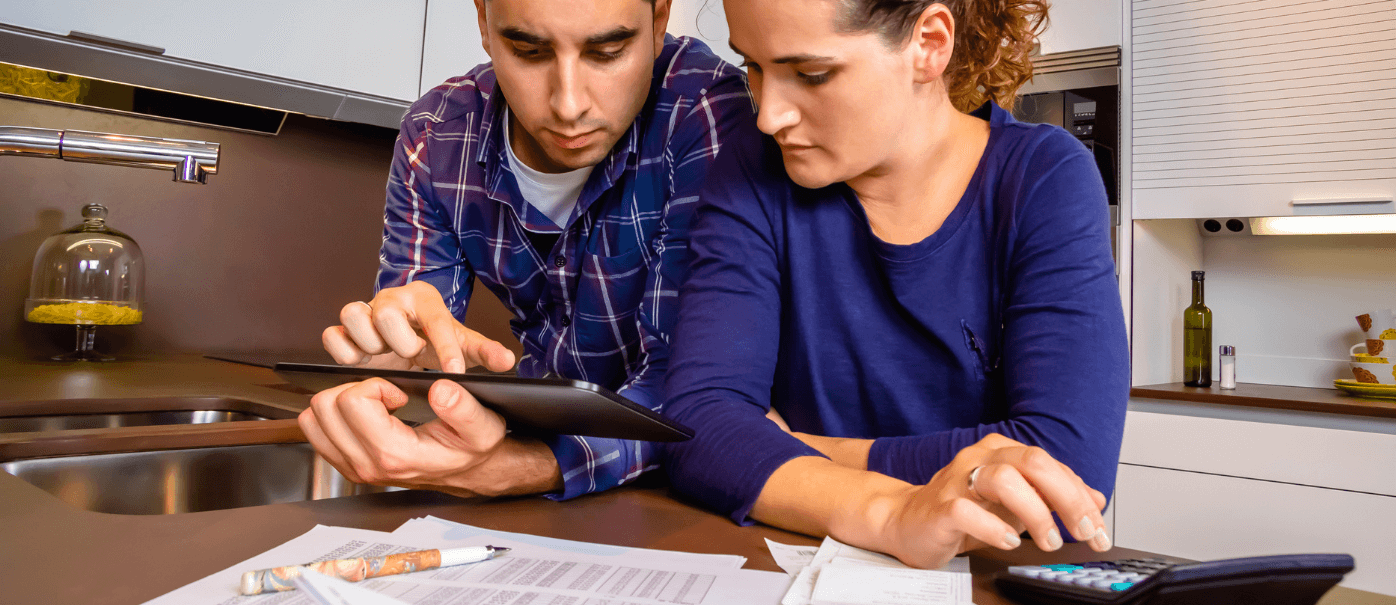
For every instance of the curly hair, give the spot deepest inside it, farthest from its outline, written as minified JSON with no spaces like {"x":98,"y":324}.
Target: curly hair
{"x":993,"y":39}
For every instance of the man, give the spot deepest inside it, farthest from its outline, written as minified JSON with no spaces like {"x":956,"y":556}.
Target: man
{"x":561,"y":175}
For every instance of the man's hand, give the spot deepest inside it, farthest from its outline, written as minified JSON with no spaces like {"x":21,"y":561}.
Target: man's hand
{"x":465,"y":452}
{"x":1017,"y":487}
{"x":393,"y":331}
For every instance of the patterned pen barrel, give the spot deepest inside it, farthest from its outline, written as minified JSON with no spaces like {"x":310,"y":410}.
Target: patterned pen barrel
{"x":279,"y":579}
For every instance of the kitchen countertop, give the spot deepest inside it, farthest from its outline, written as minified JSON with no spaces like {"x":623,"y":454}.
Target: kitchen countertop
{"x":1303,"y":399}
{"x":55,"y":553}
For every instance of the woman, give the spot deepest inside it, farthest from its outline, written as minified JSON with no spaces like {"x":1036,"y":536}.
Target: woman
{"x":920,"y":285}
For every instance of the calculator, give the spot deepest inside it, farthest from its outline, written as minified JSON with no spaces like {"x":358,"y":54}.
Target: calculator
{"x":1272,"y":580}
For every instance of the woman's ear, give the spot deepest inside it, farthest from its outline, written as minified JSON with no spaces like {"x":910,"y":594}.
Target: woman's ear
{"x":932,"y":42}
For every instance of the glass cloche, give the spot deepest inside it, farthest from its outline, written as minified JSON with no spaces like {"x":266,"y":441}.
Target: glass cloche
{"x":90,"y":275}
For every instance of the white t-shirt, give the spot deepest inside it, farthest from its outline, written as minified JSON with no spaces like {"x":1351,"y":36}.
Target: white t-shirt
{"x":555,"y":195}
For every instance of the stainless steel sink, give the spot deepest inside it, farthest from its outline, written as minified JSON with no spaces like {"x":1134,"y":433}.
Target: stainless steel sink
{"x":69,"y":422}
{"x":188,"y":480}
{"x":77,"y":414}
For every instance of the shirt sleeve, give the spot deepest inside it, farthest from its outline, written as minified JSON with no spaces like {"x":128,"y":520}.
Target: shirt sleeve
{"x":726,"y":340}
{"x":419,"y":243}
{"x":591,"y":464}
{"x":1065,"y":357}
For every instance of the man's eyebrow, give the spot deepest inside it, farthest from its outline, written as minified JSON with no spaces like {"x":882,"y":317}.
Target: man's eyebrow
{"x":518,"y":35}
{"x":619,"y":34}
{"x":801,"y":58}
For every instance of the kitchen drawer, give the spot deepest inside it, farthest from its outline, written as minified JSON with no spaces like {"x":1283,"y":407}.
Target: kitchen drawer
{"x":1207,"y":517}
{"x":1323,"y":457}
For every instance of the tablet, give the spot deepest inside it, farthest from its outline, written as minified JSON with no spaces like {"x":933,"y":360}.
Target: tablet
{"x":555,"y":406}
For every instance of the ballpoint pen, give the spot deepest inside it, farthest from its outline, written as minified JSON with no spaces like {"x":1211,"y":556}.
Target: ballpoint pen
{"x":279,"y":579}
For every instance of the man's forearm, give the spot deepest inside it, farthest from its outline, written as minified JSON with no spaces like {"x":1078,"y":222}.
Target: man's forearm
{"x":520,"y":467}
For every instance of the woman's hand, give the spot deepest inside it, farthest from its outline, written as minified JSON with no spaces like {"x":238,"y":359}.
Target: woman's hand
{"x":1016,"y":487}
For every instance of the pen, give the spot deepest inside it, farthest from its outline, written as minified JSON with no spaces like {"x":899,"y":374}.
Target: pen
{"x":278,"y":579}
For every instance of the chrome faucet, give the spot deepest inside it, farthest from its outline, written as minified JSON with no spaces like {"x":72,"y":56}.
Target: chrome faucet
{"x":191,"y":161}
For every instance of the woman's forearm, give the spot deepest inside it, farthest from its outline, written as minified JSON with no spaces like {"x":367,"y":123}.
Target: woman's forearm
{"x":847,"y":452}
{"x":821,"y":497}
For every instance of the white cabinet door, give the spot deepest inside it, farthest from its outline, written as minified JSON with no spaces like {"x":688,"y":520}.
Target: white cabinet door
{"x":366,"y":46}
{"x":1081,"y":24}
{"x":1206,"y":517}
{"x":1262,"y":107}
{"x":452,"y":42}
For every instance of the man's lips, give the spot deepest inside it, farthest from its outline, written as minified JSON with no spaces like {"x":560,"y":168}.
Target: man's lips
{"x":576,"y":141}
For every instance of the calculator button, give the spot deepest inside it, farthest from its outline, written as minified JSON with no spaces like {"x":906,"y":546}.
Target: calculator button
{"x":1031,"y":571}
{"x":1102,"y":584}
{"x":1063,"y":567}
{"x":1119,"y":586}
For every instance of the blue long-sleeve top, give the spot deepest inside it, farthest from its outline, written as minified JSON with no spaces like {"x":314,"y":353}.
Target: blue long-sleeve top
{"x":1005,"y":320}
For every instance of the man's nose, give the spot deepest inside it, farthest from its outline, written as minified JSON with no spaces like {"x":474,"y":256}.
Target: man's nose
{"x":570,"y":99}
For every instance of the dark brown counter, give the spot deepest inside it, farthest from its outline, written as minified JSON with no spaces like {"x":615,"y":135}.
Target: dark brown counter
{"x":1304,"y":399}
{"x":53,"y":553}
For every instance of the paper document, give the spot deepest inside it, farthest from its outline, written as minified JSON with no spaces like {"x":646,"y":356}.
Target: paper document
{"x":325,"y":590}
{"x":837,"y":556}
{"x":537,"y":571}
{"x":791,"y":558}
{"x":843,"y":584}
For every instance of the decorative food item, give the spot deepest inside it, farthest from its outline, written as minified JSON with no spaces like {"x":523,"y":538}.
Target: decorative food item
{"x":1197,"y":338}
{"x":1384,"y":345}
{"x":87,"y":276}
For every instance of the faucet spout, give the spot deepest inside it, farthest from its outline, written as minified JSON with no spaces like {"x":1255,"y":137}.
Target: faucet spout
{"x":190,"y":161}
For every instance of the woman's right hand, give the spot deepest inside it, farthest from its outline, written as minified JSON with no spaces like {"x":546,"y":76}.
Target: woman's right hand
{"x":1017,"y":487}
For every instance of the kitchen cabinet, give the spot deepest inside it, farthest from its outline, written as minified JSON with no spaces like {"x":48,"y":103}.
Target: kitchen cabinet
{"x":1082,"y":24}
{"x":1262,"y":108}
{"x":1242,"y":483}
{"x":452,"y":45}
{"x":371,"y":47}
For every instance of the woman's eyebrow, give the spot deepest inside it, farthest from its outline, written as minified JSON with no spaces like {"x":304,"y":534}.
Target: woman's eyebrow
{"x":800,"y":58}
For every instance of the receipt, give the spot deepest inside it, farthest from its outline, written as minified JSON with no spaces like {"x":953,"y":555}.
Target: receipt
{"x":791,"y":558}
{"x":839,"y":556}
{"x":842,"y":584}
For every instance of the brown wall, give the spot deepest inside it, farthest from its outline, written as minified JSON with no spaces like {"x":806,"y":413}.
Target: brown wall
{"x":259,"y":259}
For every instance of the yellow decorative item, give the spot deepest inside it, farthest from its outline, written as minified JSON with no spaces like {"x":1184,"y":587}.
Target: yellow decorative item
{"x":96,"y":314}
{"x":1388,"y":334}
{"x":1378,"y":391}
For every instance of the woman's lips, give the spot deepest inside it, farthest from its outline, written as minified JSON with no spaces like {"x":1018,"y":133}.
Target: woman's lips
{"x":574,"y":141}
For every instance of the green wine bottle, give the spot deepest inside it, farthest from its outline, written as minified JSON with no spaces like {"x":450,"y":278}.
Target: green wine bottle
{"x":1197,"y":338}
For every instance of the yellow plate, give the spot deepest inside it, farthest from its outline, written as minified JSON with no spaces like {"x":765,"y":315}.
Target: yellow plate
{"x":1380,"y":391}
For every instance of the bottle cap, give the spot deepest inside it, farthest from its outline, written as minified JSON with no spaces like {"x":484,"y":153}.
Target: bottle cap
{"x":1228,"y":350}
{"x":1199,"y":274}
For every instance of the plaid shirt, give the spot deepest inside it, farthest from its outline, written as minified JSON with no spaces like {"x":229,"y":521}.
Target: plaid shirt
{"x":598,"y":306}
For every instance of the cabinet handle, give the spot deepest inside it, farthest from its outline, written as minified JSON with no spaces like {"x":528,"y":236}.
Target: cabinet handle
{"x":103,"y":40}
{"x":1353,"y":200}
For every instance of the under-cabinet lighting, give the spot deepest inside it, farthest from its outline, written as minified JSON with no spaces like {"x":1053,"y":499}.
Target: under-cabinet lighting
{"x":1320,"y":225}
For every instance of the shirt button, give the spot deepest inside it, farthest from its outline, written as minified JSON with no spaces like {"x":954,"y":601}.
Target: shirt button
{"x":560,"y":261}
{"x":566,"y":321}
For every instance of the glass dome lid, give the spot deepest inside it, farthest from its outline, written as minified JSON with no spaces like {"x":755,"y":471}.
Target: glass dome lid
{"x":89,"y":275}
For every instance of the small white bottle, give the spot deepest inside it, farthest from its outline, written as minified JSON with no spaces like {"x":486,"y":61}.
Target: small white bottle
{"x":1227,"y":359}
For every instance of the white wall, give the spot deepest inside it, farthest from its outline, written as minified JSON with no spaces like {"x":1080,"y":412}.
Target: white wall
{"x":1078,"y":24}
{"x":704,"y":20}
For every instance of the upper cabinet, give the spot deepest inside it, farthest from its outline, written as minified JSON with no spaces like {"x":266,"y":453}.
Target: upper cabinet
{"x":1081,"y":24}
{"x":1262,"y":107}
{"x":452,"y":42}
{"x":369,"y":47}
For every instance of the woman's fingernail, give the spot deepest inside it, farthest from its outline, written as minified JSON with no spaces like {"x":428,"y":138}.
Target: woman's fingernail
{"x":1012,"y":540}
{"x":1085,"y":530}
{"x":1054,"y":540}
{"x":1101,"y":542}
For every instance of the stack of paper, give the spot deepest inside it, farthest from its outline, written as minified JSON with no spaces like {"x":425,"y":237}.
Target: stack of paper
{"x":839,"y":574}
{"x":537,"y":571}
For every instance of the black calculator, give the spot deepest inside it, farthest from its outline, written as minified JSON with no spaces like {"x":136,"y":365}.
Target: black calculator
{"x":1272,"y":580}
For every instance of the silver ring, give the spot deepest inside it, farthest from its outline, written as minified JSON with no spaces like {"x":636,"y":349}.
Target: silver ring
{"x":974,"y":474}
{"x":370,"y":307}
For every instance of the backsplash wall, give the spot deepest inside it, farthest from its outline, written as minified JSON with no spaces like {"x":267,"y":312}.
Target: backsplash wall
{"x":259,"y":259}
